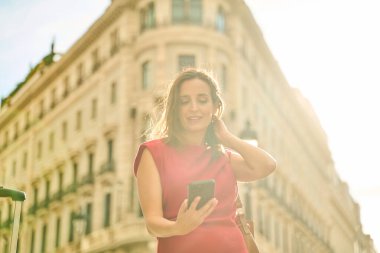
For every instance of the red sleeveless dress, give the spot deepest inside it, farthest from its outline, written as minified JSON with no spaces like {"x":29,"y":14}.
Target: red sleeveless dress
{"x":177,"y":168}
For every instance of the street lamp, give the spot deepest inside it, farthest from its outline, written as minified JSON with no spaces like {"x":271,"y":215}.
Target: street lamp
{"x":249,"y":135}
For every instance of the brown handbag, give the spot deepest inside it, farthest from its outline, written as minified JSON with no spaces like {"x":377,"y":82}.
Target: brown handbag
{"x":246,"y":228}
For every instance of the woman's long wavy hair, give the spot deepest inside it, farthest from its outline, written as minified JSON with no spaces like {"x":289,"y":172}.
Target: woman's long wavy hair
{"x":169,"y":125}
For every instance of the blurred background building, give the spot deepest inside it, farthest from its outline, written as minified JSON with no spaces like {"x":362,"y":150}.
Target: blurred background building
{"x":70,"y":131}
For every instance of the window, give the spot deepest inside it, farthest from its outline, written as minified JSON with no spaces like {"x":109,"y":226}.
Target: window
{"x":43,"y":244}
{"x":71,"y":226}
{"x":66,"y":87}
{"x":88,"y":218}
{"x":47,"y":193}
{"x":35,"y":196}
{"x":148,"y":17}
{"x":90,"y":163}
{"x":187,"y":11}
{"x":27,"y":120}
{"x":6,"y":245}
{"x":41,"y":115}
{"x":25,"y":160}
{"x":51,"y":141}
{"x":185,"y":61}
{"x":33,"y":236}
{"x":115,"y":42}
{"x":94,"y":108}
{"x":110,"y":150}
{"x":75,"y":173}
{"x":78,"y":124}
{"x":64,"y":130}
{"x":16,"y":131}
{"x":60,"y":182}
{"x":79,"y":74}
{"x":146,"y":75}
{"x":220,"y":22}
{"x":39,"y":150}
{"x":95,"y":60}
{"x":53,"y":99}
{"x":57,"y":232}
{"x":107,"y":210}
{"x":113,"y":93}
{"x":6,"y":135}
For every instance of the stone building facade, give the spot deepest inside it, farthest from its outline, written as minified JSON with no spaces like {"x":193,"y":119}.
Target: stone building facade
{"x":69,"y":133}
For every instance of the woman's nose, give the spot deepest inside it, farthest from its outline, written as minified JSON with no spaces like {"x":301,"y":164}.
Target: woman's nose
{"x":194,"y":105}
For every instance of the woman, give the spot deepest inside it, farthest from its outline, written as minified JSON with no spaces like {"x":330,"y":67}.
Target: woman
{"x":190,"y":148}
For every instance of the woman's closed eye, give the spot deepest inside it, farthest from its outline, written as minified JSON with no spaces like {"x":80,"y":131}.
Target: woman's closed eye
{"x":184,"y":101}
{"x":203,"y":100}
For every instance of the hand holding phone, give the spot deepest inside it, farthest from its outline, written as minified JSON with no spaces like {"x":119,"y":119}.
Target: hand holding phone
{"x":204,"y":189}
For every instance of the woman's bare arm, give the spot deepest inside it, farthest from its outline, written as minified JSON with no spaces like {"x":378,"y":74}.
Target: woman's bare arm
{"x":250,"y":162}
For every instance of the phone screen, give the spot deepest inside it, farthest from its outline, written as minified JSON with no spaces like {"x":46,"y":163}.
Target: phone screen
{"x":204,"y":189}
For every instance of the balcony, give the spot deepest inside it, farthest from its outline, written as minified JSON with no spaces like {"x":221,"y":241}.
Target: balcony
{"x":70,"y":190}
{"x":33,"y":209}
{"x":107,"y":167}
{"x":57,"y":196}
{"x":56,"y":199}
{"x":87,"y":179}
{"x":107,"y":172}
{"x":42,"y":206}
{"x":86,"y":184}
{"x":6,"y":225}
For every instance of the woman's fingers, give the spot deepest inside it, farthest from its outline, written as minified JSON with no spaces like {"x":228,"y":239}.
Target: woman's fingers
{"x":207,"y":209}
{"x":189,"y":217}
{"x":195,"y":203}
{"x":183,"y":206}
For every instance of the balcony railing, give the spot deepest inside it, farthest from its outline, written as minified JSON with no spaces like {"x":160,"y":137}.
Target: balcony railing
{"x":57,"y":196}
{"x":87,"y":179}
{"x":44,"y":203}
{"x":72,"y":188}
{"x":33,"y":209}
{"x":6,"y":224}
{"x":109,"y":166}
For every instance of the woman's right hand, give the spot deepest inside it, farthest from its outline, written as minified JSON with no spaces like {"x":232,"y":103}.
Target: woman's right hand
{"x":189,"y":218}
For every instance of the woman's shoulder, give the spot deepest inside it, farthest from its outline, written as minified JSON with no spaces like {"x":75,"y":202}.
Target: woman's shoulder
{"x":156,"y":143}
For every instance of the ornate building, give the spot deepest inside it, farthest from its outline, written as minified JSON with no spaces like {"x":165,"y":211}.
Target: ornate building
{"x":69,"y":133}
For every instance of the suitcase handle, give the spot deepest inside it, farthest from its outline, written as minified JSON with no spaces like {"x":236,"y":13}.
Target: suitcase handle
{"x":14,"y":194}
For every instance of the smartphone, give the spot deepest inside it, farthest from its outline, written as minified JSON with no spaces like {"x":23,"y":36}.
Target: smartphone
{"x":204,"y":189}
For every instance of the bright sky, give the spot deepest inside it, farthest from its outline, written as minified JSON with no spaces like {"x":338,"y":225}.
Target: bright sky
{"x":329,"y":49}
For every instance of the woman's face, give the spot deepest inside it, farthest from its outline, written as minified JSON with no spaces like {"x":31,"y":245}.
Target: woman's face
{"x":196,"y":106}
